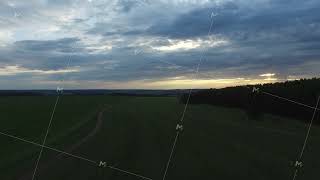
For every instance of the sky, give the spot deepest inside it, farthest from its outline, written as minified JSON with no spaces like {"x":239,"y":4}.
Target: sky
{"x":156,"y":44}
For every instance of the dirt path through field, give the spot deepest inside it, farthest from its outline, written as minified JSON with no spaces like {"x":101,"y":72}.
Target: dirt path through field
{"x":45,"y":165}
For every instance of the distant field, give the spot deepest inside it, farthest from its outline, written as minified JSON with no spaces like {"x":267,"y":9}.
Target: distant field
{"x":137,"y":134}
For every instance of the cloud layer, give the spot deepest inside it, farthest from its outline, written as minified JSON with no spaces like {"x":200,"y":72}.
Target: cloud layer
{"x":156,"y":44}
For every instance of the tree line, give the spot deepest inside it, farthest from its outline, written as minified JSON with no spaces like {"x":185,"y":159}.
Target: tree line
{"x":258,"y":101}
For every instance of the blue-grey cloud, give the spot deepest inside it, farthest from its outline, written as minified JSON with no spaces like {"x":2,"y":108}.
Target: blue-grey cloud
{"x":65,"y":45}
{"x":102,"y":39}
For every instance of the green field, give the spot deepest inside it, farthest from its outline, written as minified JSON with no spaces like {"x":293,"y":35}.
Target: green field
{"x":137,"y":134}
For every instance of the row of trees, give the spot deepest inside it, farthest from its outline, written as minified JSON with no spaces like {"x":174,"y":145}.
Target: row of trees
{"x":304,"y":91}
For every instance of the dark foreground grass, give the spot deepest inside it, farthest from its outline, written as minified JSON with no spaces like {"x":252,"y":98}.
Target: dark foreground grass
{"x":137,"y":134}
{"x":28,"y":118}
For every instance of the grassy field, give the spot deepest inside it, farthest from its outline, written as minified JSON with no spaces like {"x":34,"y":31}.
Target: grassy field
{"x":137,"y":134}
